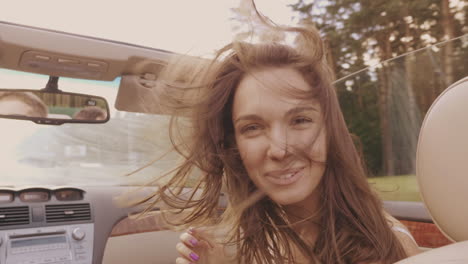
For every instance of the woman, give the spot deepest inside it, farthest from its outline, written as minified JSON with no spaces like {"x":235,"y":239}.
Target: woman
{"x":268,"y":130}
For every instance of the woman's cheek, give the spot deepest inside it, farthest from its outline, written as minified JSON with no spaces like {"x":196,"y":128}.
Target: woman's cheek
{"x":251,"y":154}
{"x":315,"y":146}
{"x":245,"y":150}
{"x":319,"y":149}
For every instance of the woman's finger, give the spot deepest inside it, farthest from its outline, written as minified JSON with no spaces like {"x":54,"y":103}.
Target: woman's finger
{"x":213,"y":236}
{"x":187,"y":252}
{"x":189,"y":240}
{"x":181,"y":260}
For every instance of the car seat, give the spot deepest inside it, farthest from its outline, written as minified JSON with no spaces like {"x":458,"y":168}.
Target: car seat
{"x":442,"y":173}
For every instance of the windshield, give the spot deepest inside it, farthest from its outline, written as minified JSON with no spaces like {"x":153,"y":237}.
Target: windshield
{"x":94,"y":154}
{"x":81,"y":154}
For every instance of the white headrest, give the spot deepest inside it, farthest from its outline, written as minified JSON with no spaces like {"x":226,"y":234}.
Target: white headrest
{"x":442,"y":161}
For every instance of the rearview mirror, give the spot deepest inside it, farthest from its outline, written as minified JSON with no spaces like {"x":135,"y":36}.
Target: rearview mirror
{"x":54,"y":108}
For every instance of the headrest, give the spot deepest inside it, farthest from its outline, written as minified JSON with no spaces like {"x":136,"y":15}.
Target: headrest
{"x":442,"y":161}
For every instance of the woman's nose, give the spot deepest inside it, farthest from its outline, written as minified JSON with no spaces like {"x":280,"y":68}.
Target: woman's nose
{"x":278,"y":147}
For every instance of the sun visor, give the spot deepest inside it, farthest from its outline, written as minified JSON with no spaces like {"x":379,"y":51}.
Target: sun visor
{"x":145,"y":94}
{"x":162,"y":89}
{"x":138,"y":89}
{"x":138,"y":93}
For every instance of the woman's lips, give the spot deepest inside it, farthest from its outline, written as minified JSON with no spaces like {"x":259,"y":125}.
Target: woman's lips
{"x":286,"y":177}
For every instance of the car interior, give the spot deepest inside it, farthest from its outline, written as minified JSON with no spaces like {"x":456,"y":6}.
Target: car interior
{"x":85,"y":223}
{"x":74,"y":224}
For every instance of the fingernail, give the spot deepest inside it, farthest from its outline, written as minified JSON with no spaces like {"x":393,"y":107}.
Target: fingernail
{"x":193,"y":241}
{"x":194,"y":256}
{"x":191,"y":230}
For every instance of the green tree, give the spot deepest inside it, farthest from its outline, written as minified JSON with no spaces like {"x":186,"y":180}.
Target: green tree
{"x":363,"y":32}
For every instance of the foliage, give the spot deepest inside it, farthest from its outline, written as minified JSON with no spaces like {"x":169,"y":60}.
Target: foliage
{"x":384,"y":105}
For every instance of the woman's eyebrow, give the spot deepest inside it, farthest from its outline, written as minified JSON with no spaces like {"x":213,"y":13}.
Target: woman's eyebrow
{"x":247,"y":117}
{"x":291,"y":111}
{"x":300,"y":109}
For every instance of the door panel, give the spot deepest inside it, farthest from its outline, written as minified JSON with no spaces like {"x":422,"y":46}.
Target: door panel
{"x":156,"y":247}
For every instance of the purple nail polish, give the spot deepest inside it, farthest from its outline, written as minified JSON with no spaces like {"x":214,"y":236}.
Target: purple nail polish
{"x":193,"y":241}
{"x":194,"y":256}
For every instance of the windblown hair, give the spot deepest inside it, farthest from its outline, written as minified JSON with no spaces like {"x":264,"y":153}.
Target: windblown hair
{"x":352,"y":224}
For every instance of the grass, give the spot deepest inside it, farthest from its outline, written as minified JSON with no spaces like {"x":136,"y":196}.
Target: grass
{"x":396,"y":188}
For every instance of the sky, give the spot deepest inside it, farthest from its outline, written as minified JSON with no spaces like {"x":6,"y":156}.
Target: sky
{"x":185,"y":26}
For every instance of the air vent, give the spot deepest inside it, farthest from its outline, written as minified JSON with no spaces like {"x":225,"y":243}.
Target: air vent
{"x":67,"y":213}
{"x":18,"y":215}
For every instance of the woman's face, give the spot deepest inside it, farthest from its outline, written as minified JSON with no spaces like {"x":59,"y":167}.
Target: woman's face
{"x":271,"y":127}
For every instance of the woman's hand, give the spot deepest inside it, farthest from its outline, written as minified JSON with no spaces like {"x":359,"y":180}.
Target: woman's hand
{"x":199,"y":245}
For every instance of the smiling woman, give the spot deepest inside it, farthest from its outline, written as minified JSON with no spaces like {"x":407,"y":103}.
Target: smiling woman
{"x":260,"y":128}
{"x":267,"y":129}
{"x":270,"y":130}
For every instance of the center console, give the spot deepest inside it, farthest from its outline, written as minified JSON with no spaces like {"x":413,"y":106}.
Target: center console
{"x":68,"y":244}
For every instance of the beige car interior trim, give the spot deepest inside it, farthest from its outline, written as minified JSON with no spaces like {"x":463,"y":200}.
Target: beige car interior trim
{"x":442,"y":173}
{"x":442,"y":161}
{"x":452,"y":254}
{"x":76,"y":56}
{"x":137,"y":244}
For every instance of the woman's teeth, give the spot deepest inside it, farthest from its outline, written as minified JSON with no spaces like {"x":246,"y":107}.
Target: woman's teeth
{"x":287,"y":176}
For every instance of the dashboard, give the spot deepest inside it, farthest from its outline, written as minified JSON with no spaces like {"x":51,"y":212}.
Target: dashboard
{"x":60,"y":225}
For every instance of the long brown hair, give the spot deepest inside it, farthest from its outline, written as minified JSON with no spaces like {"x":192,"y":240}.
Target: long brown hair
{"x":351,"y":219}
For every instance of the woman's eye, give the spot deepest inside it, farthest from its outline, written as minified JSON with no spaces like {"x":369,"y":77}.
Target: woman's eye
{"x":301,"y":120}
{"x":250,"y":128}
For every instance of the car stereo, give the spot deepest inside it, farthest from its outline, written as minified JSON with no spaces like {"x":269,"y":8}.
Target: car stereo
{"x":69,"y":244}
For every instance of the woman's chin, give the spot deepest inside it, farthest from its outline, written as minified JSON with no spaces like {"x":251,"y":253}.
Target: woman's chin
{"x":302,"y":198}
{"x":287,"y":198}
